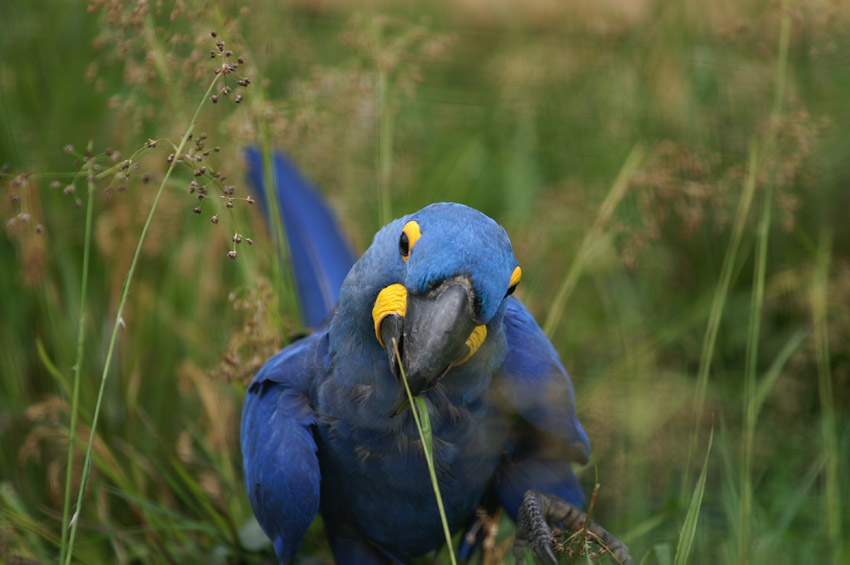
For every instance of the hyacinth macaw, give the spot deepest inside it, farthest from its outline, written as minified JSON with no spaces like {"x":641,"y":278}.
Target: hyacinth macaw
{"x":325,"y":425}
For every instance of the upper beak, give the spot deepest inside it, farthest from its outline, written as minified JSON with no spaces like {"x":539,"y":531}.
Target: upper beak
{"x":431,"y":337}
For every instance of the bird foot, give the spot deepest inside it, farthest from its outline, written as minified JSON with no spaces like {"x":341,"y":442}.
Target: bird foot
{"x":539,"y":510}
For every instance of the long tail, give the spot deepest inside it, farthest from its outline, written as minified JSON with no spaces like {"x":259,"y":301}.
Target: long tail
{"x":320,"y":254}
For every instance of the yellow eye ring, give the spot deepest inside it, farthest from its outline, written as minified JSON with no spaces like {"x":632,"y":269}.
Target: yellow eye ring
{"x":515,"y":277}
{"x":409,"y":234}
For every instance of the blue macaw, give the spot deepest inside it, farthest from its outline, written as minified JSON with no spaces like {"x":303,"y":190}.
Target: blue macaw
{"x":325,"y":426}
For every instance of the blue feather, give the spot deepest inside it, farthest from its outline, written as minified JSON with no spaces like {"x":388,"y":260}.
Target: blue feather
{"x":537,"y":383}
{"x":279,"y":451}
{"x":320,"y":254}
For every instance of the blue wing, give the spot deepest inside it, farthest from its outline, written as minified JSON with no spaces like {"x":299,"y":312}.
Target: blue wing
{"x":278,"y":448}
{"x":536,"y":386}
{"x":321,"y":256}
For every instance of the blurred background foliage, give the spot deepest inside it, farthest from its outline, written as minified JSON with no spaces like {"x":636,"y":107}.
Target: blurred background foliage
{"x":527,"y":110}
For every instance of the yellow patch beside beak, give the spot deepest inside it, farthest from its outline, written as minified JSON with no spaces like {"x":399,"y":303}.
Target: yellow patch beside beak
{"x":393,"y":300}
{"x":476,"y":338}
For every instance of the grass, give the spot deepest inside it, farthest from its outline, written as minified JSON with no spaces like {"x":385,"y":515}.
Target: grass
{"x":423,"y":426}
{"x":680,"y":238}
{"x":175,"y":158}
{"x":689,"y":525}
{"x":81,"y":340}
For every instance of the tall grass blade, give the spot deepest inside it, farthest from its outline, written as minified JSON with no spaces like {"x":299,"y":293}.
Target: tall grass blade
{"x":722,"y":289}
{"x":81,"y":338}
{"x":51,"y":367}
{"x":427,"y":438}
{"x":750,"y":404}
{"x":423,"y":424}
{"x":689,"y":527}
{"x":773,"y":372}
{"x":119,"y":321}
{"x":832,"y":490}
{"x":603,"y":216}
{"x":721,"y":292}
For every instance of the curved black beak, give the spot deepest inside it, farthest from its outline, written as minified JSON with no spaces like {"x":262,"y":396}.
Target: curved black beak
{"x":431,"y":337}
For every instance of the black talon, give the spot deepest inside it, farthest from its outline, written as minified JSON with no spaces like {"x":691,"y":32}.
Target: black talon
{"x":538,"y":510}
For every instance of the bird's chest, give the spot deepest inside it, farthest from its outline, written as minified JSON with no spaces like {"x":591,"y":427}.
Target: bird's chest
{"x":377,"y":478}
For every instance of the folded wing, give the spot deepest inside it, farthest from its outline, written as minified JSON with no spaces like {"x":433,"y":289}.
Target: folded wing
{"x":278,"y":447}
{"x":534,"y":388}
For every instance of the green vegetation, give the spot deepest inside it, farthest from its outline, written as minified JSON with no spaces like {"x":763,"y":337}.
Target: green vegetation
{"x":673,"y":176}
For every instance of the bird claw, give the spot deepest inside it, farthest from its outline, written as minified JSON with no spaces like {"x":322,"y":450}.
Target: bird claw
{"x":538,"y":510}
{"x":533,"y":530}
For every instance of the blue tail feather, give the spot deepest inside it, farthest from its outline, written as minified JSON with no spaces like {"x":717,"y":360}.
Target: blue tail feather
{"x":320,"y":254}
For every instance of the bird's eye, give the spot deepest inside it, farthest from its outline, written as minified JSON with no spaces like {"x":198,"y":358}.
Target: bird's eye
{"x":515,"y":277}
{"x":404,"y":245}
{"x":409,"y":234}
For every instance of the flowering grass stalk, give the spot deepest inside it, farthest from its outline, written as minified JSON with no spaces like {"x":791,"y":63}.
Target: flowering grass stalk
{"x":69,"y":550}
{"x":81,"y":335}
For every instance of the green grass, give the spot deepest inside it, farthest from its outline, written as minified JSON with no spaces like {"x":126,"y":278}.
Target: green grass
{"x":673,"y":177}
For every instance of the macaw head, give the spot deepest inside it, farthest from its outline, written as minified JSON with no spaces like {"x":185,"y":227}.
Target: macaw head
{"x":452,"y":268}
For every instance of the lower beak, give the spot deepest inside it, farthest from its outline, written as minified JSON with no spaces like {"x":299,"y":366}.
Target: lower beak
{"x":431,"y":337}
